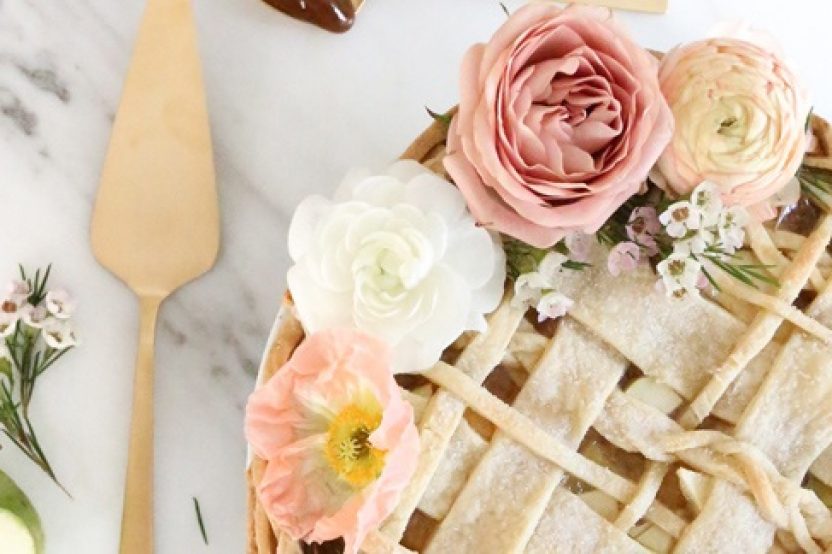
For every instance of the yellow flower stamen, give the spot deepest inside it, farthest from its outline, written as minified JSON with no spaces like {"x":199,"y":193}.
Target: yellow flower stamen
{"x":348,"y":449}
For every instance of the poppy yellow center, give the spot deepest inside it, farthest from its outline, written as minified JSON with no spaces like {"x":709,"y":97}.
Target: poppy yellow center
{"x":348,"y":448}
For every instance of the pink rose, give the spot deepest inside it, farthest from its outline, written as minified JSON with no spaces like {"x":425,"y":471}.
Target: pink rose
{"x":338,"y":438}
{"x":560,"y":119}
{"x":740,"y":117}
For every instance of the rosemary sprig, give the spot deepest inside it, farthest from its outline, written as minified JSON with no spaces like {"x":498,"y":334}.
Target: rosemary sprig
{"x":749,"y":274}
{"x":199,"y":521}
{"x":816,"y":184}
{"x":28,"y":357}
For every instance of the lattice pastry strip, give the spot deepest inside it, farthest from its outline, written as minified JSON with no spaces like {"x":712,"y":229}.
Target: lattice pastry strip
{"x":460,"y":458}
{"x":444,"y":412}
{"x":763,"y":245}
{"x":762,"y":329}
{"x":658,"y":472}
{"x":563,"y":395}
{"x":524,"y":431}
{"x":634,"y":426}
{"x":676,"y":343}
{"x":789,"y":420}
{"x":569,"y":525}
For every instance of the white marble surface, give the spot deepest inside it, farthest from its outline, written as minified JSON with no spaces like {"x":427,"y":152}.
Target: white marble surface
{"x":292,"y":108}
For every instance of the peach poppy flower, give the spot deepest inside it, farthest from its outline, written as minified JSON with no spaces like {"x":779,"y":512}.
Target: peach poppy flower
{"x":338,"y":438}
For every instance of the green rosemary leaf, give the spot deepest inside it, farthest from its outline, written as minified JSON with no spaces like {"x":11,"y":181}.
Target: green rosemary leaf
{"x":731,"y":270}
{"x":575,"y":265}
{"x":199,"y":521}
{"x":505,"y":9}
{"x":711,"y":279}
{"x":765,"y":278}
{"x":443,"y":118}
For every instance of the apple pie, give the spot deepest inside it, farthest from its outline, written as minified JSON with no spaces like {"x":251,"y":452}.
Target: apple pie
{"x":634,"y":423}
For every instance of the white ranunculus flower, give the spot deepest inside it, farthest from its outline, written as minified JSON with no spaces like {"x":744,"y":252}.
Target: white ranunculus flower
{"x":397,"y":255}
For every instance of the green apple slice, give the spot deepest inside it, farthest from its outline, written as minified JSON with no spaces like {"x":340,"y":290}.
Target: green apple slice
{"x":15,"y":537}
{"x":20,"y":528}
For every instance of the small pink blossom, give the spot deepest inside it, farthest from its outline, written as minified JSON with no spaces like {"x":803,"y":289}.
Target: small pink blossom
{"x":623,"y":258}
{"x":579,"y":244}
{"x":34,"y":316}
{"x":553,"y":305}
{"x":59,"y":303}
{"x":642,"y":228}
{"x":18,"y":291}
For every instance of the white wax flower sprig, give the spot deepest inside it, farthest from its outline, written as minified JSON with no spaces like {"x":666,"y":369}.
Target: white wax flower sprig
{"x":692,"y":235}
{"x":397,"y":255}
{"x":536,"y":287}
{"x":703,"y":229}
{"x":35,"y":332}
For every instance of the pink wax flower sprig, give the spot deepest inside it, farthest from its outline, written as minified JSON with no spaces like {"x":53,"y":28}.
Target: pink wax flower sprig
{"x":35,"y":332}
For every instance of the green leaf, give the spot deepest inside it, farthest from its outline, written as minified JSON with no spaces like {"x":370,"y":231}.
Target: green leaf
{"x":6,"y":369}
{"x":443,"y":118}
{"x":710,"y":279}
{"x":576,"y":265}
{"x":199,"y":521}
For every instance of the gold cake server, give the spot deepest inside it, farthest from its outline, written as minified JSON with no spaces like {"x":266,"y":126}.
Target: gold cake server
{"x":156,"y":221}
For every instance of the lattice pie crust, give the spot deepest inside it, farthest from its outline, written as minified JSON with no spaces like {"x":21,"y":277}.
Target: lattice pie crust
{"x":637,"y":423}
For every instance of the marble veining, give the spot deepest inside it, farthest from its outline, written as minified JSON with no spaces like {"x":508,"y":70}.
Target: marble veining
{"x":292,"y":109}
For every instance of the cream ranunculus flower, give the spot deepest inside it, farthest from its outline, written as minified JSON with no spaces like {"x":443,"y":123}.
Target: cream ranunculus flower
{"x":740,"y":114}
{"x":396,"y":255}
